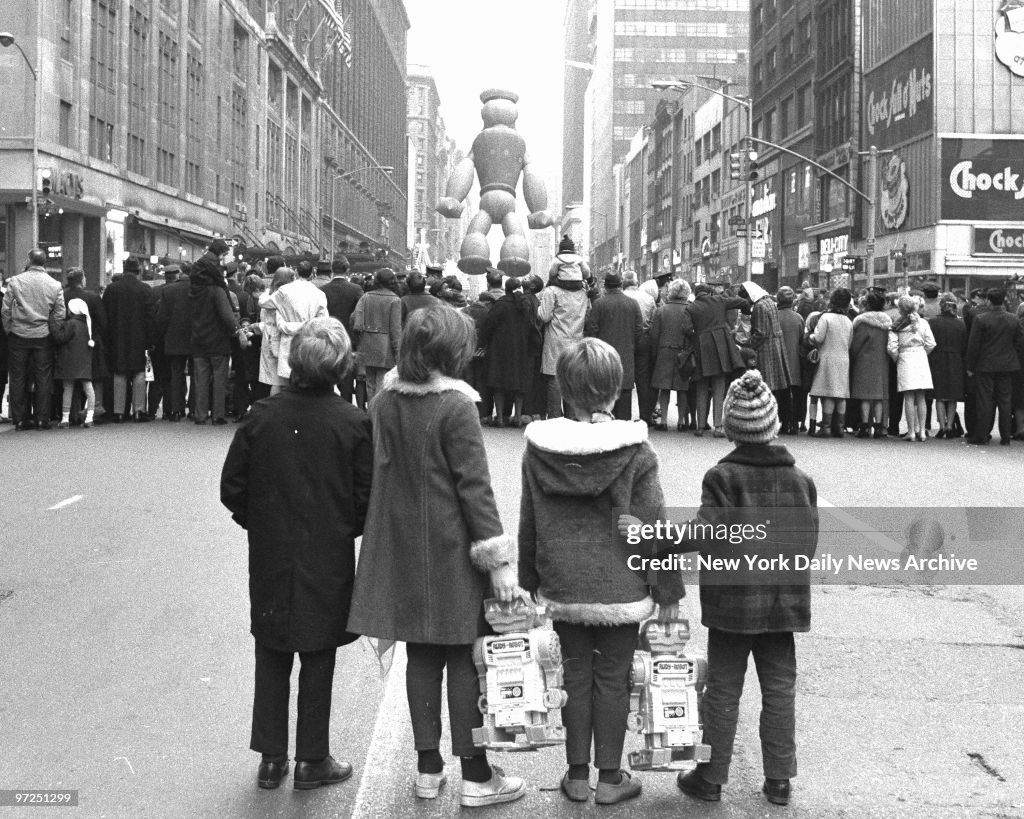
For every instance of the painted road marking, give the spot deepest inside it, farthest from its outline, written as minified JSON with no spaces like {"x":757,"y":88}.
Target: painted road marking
{"x":388,"y":733}
{"x":66,"y":502}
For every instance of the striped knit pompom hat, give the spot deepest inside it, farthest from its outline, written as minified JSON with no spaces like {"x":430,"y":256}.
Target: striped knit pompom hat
{"x":750,"y":411}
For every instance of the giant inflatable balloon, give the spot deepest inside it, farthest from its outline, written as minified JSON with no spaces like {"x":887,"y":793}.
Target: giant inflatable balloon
{"x":498,"y":158}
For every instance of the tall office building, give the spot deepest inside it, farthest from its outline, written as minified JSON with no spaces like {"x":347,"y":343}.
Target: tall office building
{"x":161,"y":124}
{"x":628,"y":45}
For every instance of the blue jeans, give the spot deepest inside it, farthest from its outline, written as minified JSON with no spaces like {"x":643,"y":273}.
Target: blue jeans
{"x":775,"y":660}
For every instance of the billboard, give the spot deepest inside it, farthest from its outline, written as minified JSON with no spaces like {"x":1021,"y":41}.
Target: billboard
{"x":982,"y":179}
{"x":898,"y":97}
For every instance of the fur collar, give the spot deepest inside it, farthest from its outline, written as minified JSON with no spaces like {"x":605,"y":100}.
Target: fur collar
{"x":436,"y":385}
{"x":567,"y":437}
{"x":874,"y":318}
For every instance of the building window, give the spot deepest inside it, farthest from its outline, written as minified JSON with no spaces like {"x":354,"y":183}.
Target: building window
{"x":64,"y":130}
{"x":195,"y":15}
{"x":136,"y":154}
{"x":65,"y":33}
{"x":240,"y":52}
{"x":101,"y":139}
{"x":138,"y":87}
{"x":193,"y":125}
{"x":168,"y":126}
{"x":785,"y":126}
{"x":103,"y":64}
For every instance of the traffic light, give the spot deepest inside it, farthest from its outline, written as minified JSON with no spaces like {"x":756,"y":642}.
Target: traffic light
{"x":735,"y":165}
{"x":45,"y":181}
{"x":752,"y":166}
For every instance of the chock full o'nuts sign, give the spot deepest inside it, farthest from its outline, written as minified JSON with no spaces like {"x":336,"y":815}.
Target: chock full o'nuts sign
{"x":983,"y":180}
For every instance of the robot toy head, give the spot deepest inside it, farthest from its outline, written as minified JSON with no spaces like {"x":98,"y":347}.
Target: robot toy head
{"x":499,"y":107}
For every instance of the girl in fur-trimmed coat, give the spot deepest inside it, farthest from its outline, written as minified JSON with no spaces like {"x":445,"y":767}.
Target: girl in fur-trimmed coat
{"x":433,"y":546}
{"x":575,"y":475}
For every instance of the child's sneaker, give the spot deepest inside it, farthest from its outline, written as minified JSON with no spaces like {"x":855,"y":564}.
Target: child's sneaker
{"x":627,"y":788}
{"x":428,"y":784}
{"x":499,"y":789}
{"x":63,"y":425}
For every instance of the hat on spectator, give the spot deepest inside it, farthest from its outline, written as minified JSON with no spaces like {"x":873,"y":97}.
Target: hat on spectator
{"x":751,"y":415}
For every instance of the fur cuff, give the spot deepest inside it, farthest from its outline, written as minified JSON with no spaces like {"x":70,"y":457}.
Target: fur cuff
{"x":491,"y":553}
{"x":599,"y":614}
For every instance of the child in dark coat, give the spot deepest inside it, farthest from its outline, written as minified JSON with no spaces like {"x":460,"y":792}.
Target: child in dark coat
{"x":297,"y":479}
{"x":74,"y":341}
{"x":756,"y":613}
{"x":576,"y":472}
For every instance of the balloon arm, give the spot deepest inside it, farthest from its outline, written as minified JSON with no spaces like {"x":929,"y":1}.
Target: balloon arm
{"x":536,"y":196}
{"x":461,"y":179}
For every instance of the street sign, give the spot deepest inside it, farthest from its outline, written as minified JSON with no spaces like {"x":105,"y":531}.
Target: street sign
{"x":758,"y":249}
{"x":737,"y":220}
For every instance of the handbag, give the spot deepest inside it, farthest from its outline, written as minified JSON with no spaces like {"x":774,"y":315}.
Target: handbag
{"x":813,"y":355}
{"x":686,"y":363}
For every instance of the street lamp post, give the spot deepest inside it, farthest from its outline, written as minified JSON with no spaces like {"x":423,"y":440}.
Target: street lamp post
{"x":7,"y":40}
{"x":335,"y":177}
{"x":746,"y":102}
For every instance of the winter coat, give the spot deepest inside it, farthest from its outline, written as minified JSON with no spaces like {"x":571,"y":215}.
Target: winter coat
{"x":563,"y":313}
{"x":432,"y":530}
{"x":507,"y":331}
{"x":832,"y":336}
{"x":131,"y":319}
{"x":74,"y":355}
{"x":576,"y":476}
{"x":616,"y":319}
{"x":213,"y":320}
{"x":270,"y":348}
{"x":755,"y":483}
{"x":342,"y":298}
{"x":671,"y":332}
{"x":767,"y":340}
{"x":98,"y":314}
{"x":297,"y":478}
{"x":792,"y":324}
{"x":377,"y":320}
{"x":30,"y":298}
{"x":947,"y":359}
{"x":869,"y":363}
{"x":717,"y":353}
{"x":174,"y":318}
{"x":909,"y":348}
{"x":297,"y":302}
{"x":996,"y":343}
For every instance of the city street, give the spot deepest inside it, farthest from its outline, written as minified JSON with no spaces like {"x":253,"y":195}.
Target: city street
{"x":126,"y":662}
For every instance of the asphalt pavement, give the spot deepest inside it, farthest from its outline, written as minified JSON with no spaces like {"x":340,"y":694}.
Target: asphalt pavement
{"x":126,"y":662}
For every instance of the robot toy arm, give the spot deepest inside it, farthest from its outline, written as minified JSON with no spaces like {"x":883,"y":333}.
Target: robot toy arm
{"x":459,"y":184}
{"x":536,"y":196}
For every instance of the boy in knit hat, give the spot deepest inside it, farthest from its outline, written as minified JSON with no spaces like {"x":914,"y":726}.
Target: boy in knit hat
{"x":753,"y":612}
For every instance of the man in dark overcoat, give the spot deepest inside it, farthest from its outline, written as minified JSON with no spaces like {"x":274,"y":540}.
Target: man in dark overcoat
{"x":616,"y":319}
{"x":342,"y":297}
{"x":994,"y":350}
{"x":174,"y":328}
{"x":131,"y":318}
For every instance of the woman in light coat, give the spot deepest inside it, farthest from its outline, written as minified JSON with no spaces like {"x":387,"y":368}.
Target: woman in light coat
{"x":562,"y":313}
{"x":910,"y":342}
{"x":267,"y":328}
{"x":832,"y":336}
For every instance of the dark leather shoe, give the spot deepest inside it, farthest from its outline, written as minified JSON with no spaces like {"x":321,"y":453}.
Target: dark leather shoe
{"x":271,"y":773}
{"x":174,"y":417}
{"x":219,"y":422}
{"x":777,"y":791}
{"x":309,"y":775}
{"x":693,"y":784}
{"x":142,"y":418}
{"x":976,"y":441}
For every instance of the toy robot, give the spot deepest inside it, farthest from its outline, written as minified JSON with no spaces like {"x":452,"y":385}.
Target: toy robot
{"x":665,"y":699}
{"x":521,"y":679}
{"x":498,"y":157}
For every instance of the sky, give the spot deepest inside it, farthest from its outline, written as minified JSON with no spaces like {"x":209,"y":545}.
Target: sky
{"x":471,"y":45}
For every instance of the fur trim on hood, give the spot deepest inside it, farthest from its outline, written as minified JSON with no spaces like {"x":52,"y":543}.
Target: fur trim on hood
{"x":875,"y":318}
{"x":567,"y":437}
{"x":437,"y":384}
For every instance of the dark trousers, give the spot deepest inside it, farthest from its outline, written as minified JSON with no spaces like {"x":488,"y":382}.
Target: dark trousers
{"x":423,"y":675}
{"x":597,"y":661}
{"x":994,"y":390}
{"x":971,"y":407}
{"x":207,"y":371}
{"x":623,"y":409}
{"x":174,"y":397}
{"x":775,"y":661}
{"x":784,"y":400}
{"x":270,"y":704}
{"x":645,"y":396}
{"x":30,"y":358}
{"x":895,"y":402}
{"x":554,"y":397}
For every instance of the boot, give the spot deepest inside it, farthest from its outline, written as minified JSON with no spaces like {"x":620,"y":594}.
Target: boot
{"x":839,"y":425}
{"x":825,"y":430}
{"x":881,"y":431}
{"x":864,"y":431}
{"x":811,"y":426}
